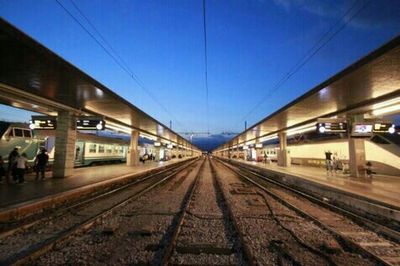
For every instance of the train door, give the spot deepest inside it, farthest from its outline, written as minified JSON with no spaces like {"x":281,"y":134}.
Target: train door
{"x":79,"y":152}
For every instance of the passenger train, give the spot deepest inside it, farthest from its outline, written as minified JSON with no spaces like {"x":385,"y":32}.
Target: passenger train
{"x":90,"y":149}
{"x":382,"y":150}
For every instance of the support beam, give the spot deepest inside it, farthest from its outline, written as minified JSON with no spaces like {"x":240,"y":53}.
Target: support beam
{"x":283,"y":155}
{"x":357,"y":152}
{"x":133,"y":153}
{"x":64,"y":155}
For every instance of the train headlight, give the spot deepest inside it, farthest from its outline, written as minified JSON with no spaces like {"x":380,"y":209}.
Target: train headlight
{"x":321,"y":129}
{"x":32,"y":126}
{"x":99,"y":126}
{"x":392,"y":129}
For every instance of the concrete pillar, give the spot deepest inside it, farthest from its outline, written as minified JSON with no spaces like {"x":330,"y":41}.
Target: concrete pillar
{"x":64,"y":155}
{"x":283,"y":156}
{"x":357,"y":159}
{"x":133,"y":153}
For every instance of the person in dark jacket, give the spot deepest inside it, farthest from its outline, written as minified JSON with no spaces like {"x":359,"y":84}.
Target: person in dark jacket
{"x":40,"y":163}
{"x":12,"y":164}
{"x":2,"y":170}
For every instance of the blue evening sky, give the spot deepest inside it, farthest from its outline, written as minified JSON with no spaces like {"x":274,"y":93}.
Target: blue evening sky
{"x":252,"y":44}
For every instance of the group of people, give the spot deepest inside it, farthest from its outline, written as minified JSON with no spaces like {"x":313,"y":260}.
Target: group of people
{"x":18,"y":164}
{"x":332,"y":163}
{"x":146,"y":157}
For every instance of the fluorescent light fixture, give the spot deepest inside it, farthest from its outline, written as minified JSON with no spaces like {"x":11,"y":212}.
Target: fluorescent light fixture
{"x":269,"y":137}
{"x":385,"y":110}
{"x":117,"y":127}
{"x":302,"y":129}
{"x":245,"y":147}
{"x":386,"y":103}
{"x":157,"y":144}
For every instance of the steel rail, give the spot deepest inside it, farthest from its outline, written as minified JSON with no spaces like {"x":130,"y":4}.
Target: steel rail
{"x":60,"y":211}
{"x":243,"y":242}
{"x":29,"y":254}
{"x":344,"y":239}
{"x":181,"y":217}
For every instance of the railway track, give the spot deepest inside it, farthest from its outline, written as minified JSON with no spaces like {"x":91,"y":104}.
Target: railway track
{"x":356,"y":233}
{"x":31,"y":239}
{"x":205,"y":232}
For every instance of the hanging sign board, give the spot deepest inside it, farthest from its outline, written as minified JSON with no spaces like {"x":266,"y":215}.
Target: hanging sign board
{"x":384,"y":128}
{"x":90,"y":123}
{"x":362,"y":130}
{"x":43,"y":122}
{"x":331,"y":125}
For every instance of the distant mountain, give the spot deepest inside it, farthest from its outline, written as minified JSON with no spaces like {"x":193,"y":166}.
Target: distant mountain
{"x":210,"y":142}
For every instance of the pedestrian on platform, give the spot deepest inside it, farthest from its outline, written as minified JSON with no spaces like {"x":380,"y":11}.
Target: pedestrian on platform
{"x":12,"y":164}
{"x":368,"y":169}
{"x":2,"y":170}
{"x":40,"y":163}
{"x":265,"y":157}
{"x":328,"y":161}
{"x":22,"y":164}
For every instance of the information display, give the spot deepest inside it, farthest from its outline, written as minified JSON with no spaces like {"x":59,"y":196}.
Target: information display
{"x":332,"y":127}
{"x":90,"y":123}
{"x":43,"y":123}
{"x":384,"y":128}
{"x":362,"y":130}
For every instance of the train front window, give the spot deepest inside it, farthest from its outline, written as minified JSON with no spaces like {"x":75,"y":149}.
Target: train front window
{"x":27,"y":134}
{"x":18,"y":132}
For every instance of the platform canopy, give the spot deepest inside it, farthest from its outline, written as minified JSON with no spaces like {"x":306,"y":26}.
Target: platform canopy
{"x":365,"y":87}
{"x":34,"y":78}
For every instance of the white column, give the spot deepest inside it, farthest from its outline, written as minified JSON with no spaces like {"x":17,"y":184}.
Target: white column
{"x":133,"y":153}
{"x":357,"y":152}
{"x":283,"y":157}
{"x":64,"y":154}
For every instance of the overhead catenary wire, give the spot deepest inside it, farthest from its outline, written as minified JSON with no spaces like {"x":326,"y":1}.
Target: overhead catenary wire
{"x":206,"y":63}
{"x":325,"y":39}
{"x":117,"y":59}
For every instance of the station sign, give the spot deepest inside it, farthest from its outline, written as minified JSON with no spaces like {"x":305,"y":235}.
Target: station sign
{"x":332,"y":127}
{"x":384,"y":128}
{"x":90,"y":123}
{"x":362,"y":130}
{"x":39,"y":122}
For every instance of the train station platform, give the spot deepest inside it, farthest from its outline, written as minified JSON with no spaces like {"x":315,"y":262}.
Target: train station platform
{"x":377,"y":194}
{"x":18,"y":199}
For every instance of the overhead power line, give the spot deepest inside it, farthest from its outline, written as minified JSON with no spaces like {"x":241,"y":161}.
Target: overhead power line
{"x":325,"y":39}
{"x":117,"y":58}
{"x":206,"y":63}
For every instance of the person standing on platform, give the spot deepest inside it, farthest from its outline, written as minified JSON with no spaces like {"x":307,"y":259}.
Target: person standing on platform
{"x":12,"y":164}
{"x":2,"y":171}
{"x":328,"y":161}
{"x":21,"y":167}
{"x":40,"y":163}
